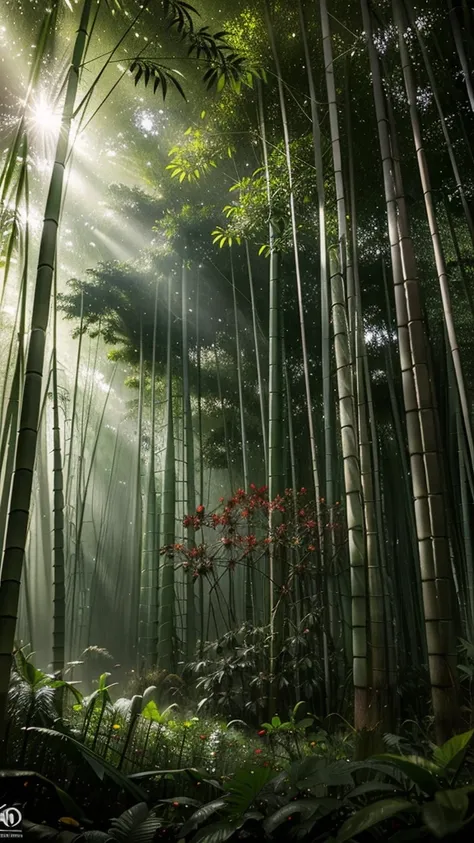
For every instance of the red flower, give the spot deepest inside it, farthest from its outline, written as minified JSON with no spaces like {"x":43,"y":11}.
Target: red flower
{"x":258,"y":751}
{"x":311,"y":547}
{"x":200,"y":509}
{"x":192,"y":521}
{"x":262,"y":732}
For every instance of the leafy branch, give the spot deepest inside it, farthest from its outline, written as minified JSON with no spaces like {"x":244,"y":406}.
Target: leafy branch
{"x":157,"y":73}
{"x":226,"y":66}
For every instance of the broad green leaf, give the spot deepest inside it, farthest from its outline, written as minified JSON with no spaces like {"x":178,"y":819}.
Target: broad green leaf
{"x":202,"y":815}
{"x":314,"y":771}
{"x":370,"y":815}
{"x":306,"y":807}
{"x":445,"y":814}
{"x":245,"y":787}
{"x":423,"y":772}
{"x":68,"y":686}
{"x":151,"y":712}
{"x":305,"y":723}
{"x":123,"y":826}
{"x":451,"y":755}
{"x":372,"y":787}
{"x":455,"y":800}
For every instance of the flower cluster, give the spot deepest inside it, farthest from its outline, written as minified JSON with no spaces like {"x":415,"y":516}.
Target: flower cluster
{"x":249,"y":525}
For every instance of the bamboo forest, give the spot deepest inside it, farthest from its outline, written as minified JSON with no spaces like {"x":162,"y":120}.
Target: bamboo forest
{"x":237,"y":420}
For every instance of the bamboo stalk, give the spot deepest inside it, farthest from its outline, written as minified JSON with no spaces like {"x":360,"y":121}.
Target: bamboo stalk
{"x":28,"y":433}
{"x":435,"y":567}
{"x":166,"y":656}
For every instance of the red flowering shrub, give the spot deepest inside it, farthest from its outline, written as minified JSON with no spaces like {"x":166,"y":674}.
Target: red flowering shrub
{"x":249,"y":526}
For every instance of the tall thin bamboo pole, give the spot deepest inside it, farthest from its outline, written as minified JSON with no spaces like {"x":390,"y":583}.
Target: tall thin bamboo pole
{"x":436,"y":575}
{"x":27,"y":438}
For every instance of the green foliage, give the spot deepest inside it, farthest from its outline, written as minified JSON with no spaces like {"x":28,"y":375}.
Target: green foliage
{"x":35,"y":696}
{"x":264,"y":787}
{"x":102,"y":768}
{"x":371,"y":815}
{"x":225,"y":67}
{"x":441,"y":811}
{"x":158,"y":74}
{"x":195,"y":157}
{"x":123,"y":827}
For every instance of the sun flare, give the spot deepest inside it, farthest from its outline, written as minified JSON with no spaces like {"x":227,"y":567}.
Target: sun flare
{"x":44,"y":117}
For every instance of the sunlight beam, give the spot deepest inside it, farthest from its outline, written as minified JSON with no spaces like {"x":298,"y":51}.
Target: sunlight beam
{"x":43,"y":116}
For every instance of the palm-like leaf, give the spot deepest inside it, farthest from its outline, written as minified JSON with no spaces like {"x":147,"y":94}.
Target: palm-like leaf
{"x":123,"y":826}
{"x":33,"y":693}
{"x":245,"y":787}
